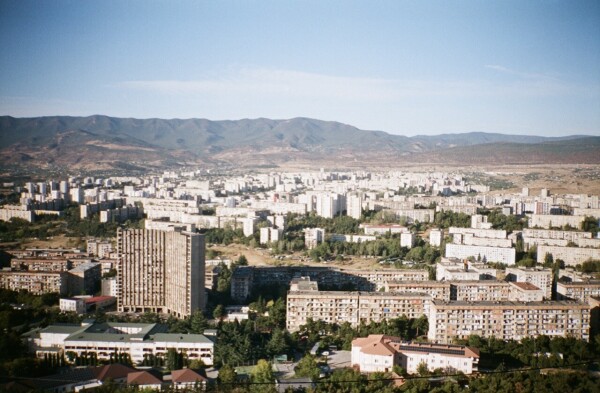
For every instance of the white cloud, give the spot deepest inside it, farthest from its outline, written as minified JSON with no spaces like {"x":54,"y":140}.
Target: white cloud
{"x":521,"y":74}
{"x":260,"y":81}
{"x":255,"y":83}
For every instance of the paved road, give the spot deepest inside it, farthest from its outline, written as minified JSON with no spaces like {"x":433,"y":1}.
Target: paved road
{"x":339,"y":359}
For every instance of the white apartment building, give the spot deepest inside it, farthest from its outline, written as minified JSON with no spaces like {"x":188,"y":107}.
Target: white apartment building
{"x":99,"y":248}
{"x":109,"y":287}
{"x":249,"y":225}
{"x":352,"y":238}
{"x":487,"y":254}
{"x":540,"y":277}
{"x":265,"y":235}
{"x":439,"y":290}
{"x":480,"y":222}
{"x":268,"y":235}
{"x":281,"y":208}
{"x":277,"y":221}
{"x":408,"y":239}
{"x":16,"y":211}
{"x":479,"y":232}
{"x":379,"y":353}
{"x":570,"y":255}
{"x":354,"y":206}
{"x":373,"y":229}
{"x":313,"y":237}
{"x":353,"y":307}
{"x":381,"y":277}
{"x":578,"y":290}
{"x":470,"y":240}
{"x":549,"y":221}
{"x":507,"y":320}
{"x":328,"y":205}
{"x":571,"y":236}
{"x":479,"y":290}
{"x":525,"y":292}
{"x":435,"y":237}
{"x":35,"y":282}
{"x":457,"y":270}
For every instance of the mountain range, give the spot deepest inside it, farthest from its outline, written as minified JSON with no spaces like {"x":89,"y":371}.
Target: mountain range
{"x":102,"y":142}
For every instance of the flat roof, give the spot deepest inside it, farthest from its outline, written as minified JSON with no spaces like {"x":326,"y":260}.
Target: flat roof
{"x":488,"y":304}
{"x":358,"y":293}
{"x":527,"y":286}
{"x":61,"y":329}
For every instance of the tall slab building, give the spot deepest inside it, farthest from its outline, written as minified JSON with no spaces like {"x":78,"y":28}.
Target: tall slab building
{"x":160,"y":271}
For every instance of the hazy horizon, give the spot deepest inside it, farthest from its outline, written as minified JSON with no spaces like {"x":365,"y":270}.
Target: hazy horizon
{"x":406,"y":68}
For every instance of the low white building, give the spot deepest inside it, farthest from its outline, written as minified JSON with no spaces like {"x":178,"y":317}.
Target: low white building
{"x":237,"y":313}
{"x":76,"y":305}
{"x":525,"y":292}
{"x":135,"y":339}
{"x":380,"y":353}
{"x":373,"y":229}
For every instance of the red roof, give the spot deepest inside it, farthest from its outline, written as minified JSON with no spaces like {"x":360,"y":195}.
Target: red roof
{"x":96,"y":299}
{"x":114,"y":371}
{"x":142,"y":378}
{"x":186,"y":375}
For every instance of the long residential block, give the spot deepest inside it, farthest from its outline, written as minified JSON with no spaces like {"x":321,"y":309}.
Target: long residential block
{"x":507,"y":320}
{"x":579,"y":290}
{"x":488,"y":254}
{"x":35,"y":282}
{"x":570,"y":255}
{"x":353,"y":307}
{"x":245,"y":278}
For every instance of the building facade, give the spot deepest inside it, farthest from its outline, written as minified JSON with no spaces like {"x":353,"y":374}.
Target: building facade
{"x":353,"y":307}
{"x":379,"y":353}
{"x":160,"y":271}
{"x":507,"y":320}
{"x":138,"y":340}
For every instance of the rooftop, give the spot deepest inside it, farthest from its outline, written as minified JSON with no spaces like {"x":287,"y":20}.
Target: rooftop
{"x":527,"y":286}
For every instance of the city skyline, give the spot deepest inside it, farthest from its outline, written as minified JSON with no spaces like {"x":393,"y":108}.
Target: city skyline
{"x":406,"y":68}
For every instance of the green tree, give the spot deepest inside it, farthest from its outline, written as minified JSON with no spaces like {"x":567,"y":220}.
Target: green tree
{"x":278,"y":344}
{"x":263,"y":378}
{"x":227,"y":378}
{"x":198,"y":323}
{"x":422,"y":369}
{"x":219,"y":312}
{"x":242,"y":261}
{"x":175,"y":360}
{"x":308,"y":367}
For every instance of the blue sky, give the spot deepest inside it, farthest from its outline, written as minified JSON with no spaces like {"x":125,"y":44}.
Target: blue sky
{"x":405,"y":67}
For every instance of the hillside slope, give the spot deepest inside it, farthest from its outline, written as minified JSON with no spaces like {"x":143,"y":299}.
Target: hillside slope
{"x":106,"y":142}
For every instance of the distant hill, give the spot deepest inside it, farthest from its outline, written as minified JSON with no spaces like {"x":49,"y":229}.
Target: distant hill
{"x":577,"y":150}
{"x":107,"y":142}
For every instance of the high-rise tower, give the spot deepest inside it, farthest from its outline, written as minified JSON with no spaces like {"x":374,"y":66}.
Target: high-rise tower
{"x":160,"y":271}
